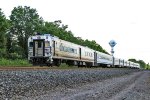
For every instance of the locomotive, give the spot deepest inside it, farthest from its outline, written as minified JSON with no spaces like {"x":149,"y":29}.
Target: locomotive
{"x":50,"y":50}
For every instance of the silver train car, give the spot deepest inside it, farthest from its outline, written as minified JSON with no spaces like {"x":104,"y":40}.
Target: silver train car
{"x":50,"y":50}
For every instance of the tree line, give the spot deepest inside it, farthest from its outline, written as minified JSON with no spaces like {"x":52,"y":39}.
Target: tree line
{"x":24,"y":22}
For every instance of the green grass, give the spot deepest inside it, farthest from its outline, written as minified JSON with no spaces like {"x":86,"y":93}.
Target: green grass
{"x":66,"y":66}
{"x":17,"y":62}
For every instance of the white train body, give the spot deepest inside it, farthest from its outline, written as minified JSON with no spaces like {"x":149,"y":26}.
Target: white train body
{"x":117,"y":62}
{"x":64,"y":50}
{"x":47,"y":49}
{"x":103,"y":58}
{"x":40,"y":48}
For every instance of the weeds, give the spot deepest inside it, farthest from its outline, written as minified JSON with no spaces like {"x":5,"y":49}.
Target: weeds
{"x":16,"y":62}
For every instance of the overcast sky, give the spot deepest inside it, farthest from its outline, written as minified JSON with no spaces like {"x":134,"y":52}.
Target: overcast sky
{"x":125,"y":21}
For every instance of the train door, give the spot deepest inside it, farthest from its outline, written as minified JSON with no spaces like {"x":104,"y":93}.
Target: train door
{"x":38,"y":48}
{"x":54,"y":48}
{"x":95,"y":59}
{"x":79,"y":53}
{"x":119,"y":63}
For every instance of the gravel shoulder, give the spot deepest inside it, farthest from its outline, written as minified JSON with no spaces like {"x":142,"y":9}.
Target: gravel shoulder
{"x":118,"y":88}
{"x":75,"y":84}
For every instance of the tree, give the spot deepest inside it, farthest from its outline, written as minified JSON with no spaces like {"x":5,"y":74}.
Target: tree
{"x":147,"y":66}
{"x":60,"y":30}
{"x":142,"y":64}
{"x":3,"y":29}
{"x":25,"y":22}
{"x":133,"y":60}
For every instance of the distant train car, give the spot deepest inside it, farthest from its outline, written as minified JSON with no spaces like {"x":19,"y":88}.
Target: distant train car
{"x":48,"y":49}
{"x":125,"y":63}
{"x":104,"y":59}
{"x":137,"y":65}
{"x":87,"y":56}
{"x":117,"y":62}
{"x":128,"y":64}
{"x":131,"y":64}
{"x":121,"y":63}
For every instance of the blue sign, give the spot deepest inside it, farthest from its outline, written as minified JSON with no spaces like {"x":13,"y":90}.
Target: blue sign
{"x":112,"y":43}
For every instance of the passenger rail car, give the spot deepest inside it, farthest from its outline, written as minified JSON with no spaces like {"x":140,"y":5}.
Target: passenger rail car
{"x":103,"y":59}
{"x":47,"y":49}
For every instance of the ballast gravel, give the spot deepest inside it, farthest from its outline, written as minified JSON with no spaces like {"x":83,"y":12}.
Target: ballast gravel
{"x":23,"y":84}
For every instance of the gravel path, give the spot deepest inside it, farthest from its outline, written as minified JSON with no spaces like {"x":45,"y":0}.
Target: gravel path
{"x":75,"y":84}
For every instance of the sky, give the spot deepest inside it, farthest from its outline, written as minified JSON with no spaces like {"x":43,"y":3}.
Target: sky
{"x":125,"y":21}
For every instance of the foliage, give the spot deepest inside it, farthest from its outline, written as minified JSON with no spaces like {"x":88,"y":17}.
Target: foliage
{"x":4,"y":25}
{"x":25,"y":22}
{"x":148,"y":66}
{"x":17,"y":62}
{"x":2,"y":53}
{"x":3,"y":28}
{"x":133,"y":60}
{"x":64,"y":65}
{"x":60,"y":30}
{"x":141,"y":62}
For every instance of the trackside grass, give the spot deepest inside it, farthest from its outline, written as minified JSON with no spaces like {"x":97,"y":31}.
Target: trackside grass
{"x":66,"y":66}
{"x":17,"y":62}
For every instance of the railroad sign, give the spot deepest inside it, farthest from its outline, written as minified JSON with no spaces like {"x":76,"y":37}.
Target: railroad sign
{"x":112,"y":43}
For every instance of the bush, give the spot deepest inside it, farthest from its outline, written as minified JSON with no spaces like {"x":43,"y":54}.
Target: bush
{"x":3,"y":53}
{"x":14,"y":56}
{"x":17,"y":62}
{"x":64,"y":65}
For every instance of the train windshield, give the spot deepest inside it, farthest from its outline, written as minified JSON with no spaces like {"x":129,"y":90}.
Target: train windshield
{"x":31,"y":44}
{"x":47,"y":44}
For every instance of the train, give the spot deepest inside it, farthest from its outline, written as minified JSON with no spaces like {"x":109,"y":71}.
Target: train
{"x":46,"y":49}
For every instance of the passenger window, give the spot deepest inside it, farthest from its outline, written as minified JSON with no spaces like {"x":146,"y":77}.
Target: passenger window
{"x":61,"y":48}
{"x":47,"y":44}
{"x":75,"y":51}
{"x":31,"y":44}
{"x":65,"y":49}
{"x":56,"y":44}
{"x":72,"y":50}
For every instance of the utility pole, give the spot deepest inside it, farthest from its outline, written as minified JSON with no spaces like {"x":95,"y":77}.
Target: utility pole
{"x":112,"y":43}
